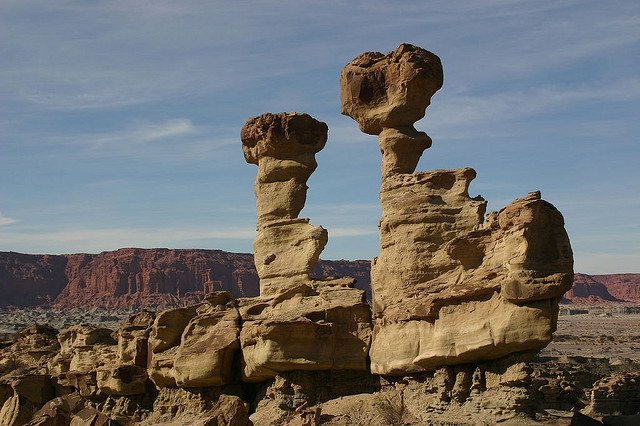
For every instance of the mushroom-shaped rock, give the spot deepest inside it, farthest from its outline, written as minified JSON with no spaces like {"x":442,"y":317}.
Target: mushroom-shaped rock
{"x":284,"y":147}
{"x":390,"y":91}
{"x":448,"y":288}
{"x":386,"y":95}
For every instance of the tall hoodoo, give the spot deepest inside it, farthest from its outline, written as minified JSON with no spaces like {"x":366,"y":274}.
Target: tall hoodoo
{"x":283,"y":146}
{"x":449,"y":287}
{"x":298,"y":322}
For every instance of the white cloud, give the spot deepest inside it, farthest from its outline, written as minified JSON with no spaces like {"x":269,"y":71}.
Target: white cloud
{"x":141,"y":133}
{"x":452,"y":111}
{"x":4,"y":220}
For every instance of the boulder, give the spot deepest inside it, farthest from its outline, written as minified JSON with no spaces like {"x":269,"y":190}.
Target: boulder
{"x":121,"y":380}
{"x":195,"y":346}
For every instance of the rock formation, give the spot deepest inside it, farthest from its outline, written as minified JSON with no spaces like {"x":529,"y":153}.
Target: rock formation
{"x":448,"y":286}
{"x":297,"y":323}
{"x":461,"y":301}
{"x":587,"y":291}
{"x":283,"y":146}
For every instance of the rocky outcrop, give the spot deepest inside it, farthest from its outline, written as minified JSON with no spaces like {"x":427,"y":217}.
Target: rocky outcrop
{"x":283,"y":146}
{"x":587,"y":291}
{"x":297,"y":323}
{"x":195,"y":346}
{"x":621,"y":286}
{"x":28,"y":280}
{"x":616,"y":394}
{"x":235,"y":272}
{"x":448,"y":287}
{"x":154,"y":278}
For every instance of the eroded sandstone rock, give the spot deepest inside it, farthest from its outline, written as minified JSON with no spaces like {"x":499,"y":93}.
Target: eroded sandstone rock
{"x":449,"y":287}
{"x":297,"y":323}
{"x":323,"y":326}
{"x":283,"y":146}
{"x":195,"y":346}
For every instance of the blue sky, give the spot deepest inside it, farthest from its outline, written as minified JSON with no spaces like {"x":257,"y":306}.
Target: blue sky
{"x":120,"y":120}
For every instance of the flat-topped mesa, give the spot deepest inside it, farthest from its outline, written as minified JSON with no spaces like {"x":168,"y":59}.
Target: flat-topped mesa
{"x":448,"y":288}
{"x":386,"y":95}
{"x":283,"y":146}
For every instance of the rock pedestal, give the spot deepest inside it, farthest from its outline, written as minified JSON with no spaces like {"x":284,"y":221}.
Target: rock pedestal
{"x":283,"y":146}
{"x":448,"y":287}
{"x":297,"y":323}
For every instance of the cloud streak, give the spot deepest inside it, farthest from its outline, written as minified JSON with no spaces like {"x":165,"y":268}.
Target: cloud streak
{"x":4,"y":220}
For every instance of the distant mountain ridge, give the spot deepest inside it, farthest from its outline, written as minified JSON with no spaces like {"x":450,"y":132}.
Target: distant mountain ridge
{"x":156,"y":278}
{"x":133,"y":277}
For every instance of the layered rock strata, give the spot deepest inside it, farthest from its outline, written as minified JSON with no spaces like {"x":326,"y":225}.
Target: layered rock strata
{"x":297,"y":323}
{"x":449,"y":286}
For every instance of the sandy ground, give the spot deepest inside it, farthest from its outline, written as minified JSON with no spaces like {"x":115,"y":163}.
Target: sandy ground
{"x":596,"y":335}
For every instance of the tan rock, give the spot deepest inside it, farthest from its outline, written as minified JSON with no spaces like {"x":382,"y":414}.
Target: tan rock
{"x":326,"y":327}
{"x":195,"y":346}
{"x":297,"y":323}
{"x":133,"y":339}
{"x":283,"y":146}
{"x":448,"y":287}
{"x":285,"y":252}
{"x":168,"y":327}
{"x":389,"y":91}
{"x":89,"y":358}
{"x":90,"y":417}
{"x":84,"y":335}
{"x":121,"y":380}
{"x":58,"y":411}
{"x":616,"y":394}
{"x":208,"y":347}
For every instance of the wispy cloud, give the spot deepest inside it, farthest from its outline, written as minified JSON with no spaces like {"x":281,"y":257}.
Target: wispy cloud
{"x":140,"y":134}
{"x":351,"y":232}
{"x":4,"y":220}
{"x":457,"y":110}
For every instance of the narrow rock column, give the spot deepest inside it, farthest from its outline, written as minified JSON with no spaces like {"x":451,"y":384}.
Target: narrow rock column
{"x":283,"y":146}
{"x":386,"y":95}
{"x":297,"y":323}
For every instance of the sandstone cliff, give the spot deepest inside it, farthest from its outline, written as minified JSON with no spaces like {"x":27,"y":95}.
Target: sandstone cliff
{"x":621,"y":286}
{"x":587,"y":290}
{"x":135,"y":278}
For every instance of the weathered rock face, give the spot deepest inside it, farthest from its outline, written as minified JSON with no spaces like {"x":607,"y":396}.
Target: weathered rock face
{"x":587,"y":291}
{"x":622,"y":286}
{"x":142,"y":278}
{"x":154,"y":278}
{"x":325,"y":325}
{"x":448,"y":287}
{"x":297,"y":323}
{"x":616,"y":394}
{"x":195,"y":346}
{"x":28,"y":280}
{"x":283,"y":146}
{"x":390,"y":91}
